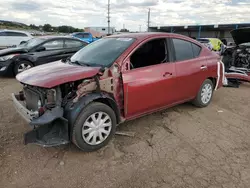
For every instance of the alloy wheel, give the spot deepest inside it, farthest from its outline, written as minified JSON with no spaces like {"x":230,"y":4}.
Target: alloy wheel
{"x":22,"y":67}
{"x":206,"y":93}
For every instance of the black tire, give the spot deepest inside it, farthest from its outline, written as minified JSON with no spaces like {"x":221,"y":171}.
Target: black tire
{"x":20,"y":63}
{"x":92,"y":108}
{"x":198,"y":100}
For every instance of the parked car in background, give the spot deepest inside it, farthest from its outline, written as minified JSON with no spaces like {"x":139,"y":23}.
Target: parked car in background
{"x":87,"y":37}
{"x":10,"y":38}
{"x":214,"y":44}
{"x":37,"y":51}
{"x":239,"y":55}
{"x":83,"y":99}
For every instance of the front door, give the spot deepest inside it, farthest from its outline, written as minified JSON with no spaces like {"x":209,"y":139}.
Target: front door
{"x":152,"y":87}
{"x":54,"y":51}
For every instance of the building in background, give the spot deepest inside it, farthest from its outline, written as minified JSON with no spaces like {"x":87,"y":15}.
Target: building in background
{"x":221,"y":31}
{"x":99,"y":31}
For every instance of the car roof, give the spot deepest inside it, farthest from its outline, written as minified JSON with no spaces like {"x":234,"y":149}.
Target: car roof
{"x":146,"y":35}
{"x":57,"y":37}
{"x":10,"y":30}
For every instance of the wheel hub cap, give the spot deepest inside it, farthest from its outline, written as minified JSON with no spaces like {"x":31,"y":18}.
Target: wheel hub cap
{"x":96,"y":128}
{"x":206,"y":93}
{"x":22,"y":67}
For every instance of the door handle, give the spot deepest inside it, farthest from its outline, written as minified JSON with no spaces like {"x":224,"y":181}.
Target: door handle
{"x":167,"y":73}
{"x":203,"y":67}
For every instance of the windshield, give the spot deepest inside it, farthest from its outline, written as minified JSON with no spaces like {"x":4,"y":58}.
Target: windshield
{"x":102,"y":52}
{"x":32,"y":42}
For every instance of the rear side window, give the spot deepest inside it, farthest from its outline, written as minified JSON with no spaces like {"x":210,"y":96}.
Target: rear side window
{"x":183,"y":50}
{"x":74,"y":44}
{"x":196,"y":50}
{"x":82,"y":35}
{"x":15,"y":34}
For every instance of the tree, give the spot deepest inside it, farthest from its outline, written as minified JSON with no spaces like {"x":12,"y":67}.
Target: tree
{"x":47,"y":27}
{"x":124,"y":30}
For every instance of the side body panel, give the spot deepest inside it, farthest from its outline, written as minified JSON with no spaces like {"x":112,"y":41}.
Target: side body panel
{"x":149,"y":88}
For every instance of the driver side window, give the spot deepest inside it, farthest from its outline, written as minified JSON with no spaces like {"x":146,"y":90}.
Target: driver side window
{"x":53,"y":45}
{"x":150,"y":53}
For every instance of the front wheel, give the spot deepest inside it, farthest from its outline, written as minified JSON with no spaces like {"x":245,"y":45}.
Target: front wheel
{"x":22,"y":66}
{"x":205,"y":94}
{"x":94,"y":127}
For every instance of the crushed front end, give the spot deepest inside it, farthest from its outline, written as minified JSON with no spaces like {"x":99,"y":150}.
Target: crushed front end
{"x":42,"y":108}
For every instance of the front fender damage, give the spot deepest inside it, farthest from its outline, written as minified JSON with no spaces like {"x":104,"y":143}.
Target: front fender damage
{"x":54,"y":126}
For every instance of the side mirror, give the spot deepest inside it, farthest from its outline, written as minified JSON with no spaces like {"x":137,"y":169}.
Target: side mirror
{"x":40,"y":48}
{"x":23,"y":42}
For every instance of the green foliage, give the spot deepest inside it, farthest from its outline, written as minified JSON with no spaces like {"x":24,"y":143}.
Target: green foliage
{"x":45,"y":27}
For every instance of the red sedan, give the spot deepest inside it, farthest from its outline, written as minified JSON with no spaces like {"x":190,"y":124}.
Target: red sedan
{"x":114,"y":79}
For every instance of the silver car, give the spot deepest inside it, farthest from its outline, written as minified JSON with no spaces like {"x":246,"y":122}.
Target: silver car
{"x":9,"y":38}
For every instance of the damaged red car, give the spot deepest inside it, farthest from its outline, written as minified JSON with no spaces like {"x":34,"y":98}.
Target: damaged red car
{"x":112,"y":80}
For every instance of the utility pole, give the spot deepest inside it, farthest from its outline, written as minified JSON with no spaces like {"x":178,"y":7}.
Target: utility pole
{"x":148,"y":18}
{"x":108,"y":17}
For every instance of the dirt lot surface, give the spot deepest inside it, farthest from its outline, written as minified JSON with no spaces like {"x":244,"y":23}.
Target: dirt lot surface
{"x":179,"y":147}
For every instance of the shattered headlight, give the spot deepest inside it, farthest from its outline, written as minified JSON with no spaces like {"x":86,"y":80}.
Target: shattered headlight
{"x":7,"y":57}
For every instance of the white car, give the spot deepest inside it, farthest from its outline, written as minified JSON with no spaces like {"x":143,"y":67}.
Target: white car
{"x":9,"y":38}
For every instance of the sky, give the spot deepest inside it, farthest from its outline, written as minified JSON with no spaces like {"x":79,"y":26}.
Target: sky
{"x":131,"y":14}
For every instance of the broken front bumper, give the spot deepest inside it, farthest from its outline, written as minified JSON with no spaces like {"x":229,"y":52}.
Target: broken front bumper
{"x":22,"y":110}
{"x":50,"y":129}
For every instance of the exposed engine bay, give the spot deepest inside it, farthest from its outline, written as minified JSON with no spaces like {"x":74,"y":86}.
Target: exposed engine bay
{"x":238,"y":57}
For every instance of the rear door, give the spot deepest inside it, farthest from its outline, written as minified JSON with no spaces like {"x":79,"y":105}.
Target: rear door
{"x":54,"y":51}
{"x":191,"y":68}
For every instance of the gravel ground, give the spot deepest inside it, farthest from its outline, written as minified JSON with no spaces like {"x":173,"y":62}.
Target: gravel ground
{"x":182,"y":147}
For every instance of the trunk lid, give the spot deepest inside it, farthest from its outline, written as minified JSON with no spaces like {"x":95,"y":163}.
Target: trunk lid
{"x":55,"y":73}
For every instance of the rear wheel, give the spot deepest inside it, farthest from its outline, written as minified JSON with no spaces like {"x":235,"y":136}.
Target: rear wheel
{"x":205,"y":94}
{"x":94,"y":127}
{"x":22,"y":66}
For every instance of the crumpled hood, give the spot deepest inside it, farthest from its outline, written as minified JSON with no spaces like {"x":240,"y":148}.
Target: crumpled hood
{"x":55,"y":73}
{"x":241,"y":35}
{"x":8,"y":51}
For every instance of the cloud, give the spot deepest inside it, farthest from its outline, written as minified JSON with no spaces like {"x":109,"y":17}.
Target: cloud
{"x":131,"y":13}
{"x":26,"y":6}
